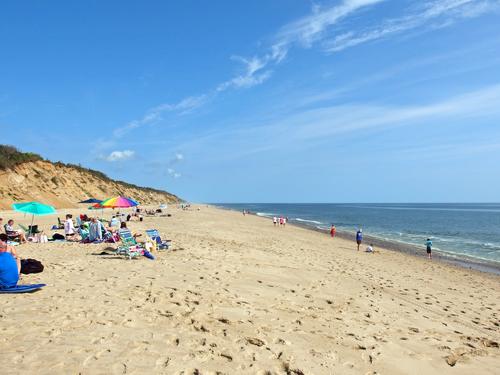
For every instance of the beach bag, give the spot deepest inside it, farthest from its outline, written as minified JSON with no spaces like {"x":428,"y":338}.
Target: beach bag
{"x":31,"y":266}
{"x":57,"y":236}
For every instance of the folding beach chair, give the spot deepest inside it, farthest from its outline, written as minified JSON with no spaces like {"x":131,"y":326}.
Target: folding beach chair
{"x":129,"y":248}
{"x":31,"y":229}
{"x":60,"y":224}
{"x":155,"y":236}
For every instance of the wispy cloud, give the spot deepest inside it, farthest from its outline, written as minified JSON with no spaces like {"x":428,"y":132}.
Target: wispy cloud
{"x":257,"y":69}
{"x":318,"y":28}
{"x":155,"y":114}
{"x":253,"y":75}
{"x":173,"y":173}
{"x":120,"y":155}
{"x":429,"y":15}
{"x":312,"y":28}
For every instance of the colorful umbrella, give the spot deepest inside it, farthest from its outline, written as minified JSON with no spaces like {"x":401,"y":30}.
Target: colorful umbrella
{"x":34,"y":208}
{"x":119,"y":202}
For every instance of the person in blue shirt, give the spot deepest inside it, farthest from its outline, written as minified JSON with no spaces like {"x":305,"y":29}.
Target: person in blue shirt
{"x":10,"y":266}
{"x":428,"y":243}
{"x":359,"y":237}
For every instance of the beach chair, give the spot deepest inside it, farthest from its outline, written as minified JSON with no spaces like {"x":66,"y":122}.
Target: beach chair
{"x":155,"y":236}
{"x":60,"y":224}
{"x":31,"y":229}
{"x":129,"y":248}
{"x":11,"y":236}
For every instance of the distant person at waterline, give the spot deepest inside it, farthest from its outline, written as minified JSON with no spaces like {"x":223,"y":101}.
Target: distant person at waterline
{"x":333,"y":230}
{"x":359,"y":237}
{"x":275,"y":220}
{"x":428,"y":244}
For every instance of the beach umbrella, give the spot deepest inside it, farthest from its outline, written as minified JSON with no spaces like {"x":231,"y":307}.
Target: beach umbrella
{"x":119,"y":202}
{"x":91,"y":200}
{"x":34,"y":208}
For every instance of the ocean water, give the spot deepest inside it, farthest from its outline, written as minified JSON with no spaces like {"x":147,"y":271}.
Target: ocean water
{"x":468,"y":231}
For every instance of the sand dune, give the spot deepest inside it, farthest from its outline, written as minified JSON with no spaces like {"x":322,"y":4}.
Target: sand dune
{"x":238,"y":296}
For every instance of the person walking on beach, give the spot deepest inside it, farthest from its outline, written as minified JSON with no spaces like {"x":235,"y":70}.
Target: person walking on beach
{"x":275,"y":220}
{"x":359,"y":237}
{"x":428,"y":244}
{"x":332,"y":231}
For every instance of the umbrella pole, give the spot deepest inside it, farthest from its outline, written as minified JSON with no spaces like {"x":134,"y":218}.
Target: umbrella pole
{"x":31,"y":227}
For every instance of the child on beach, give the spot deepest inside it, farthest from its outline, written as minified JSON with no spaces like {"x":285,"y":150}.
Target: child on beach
{"x":359,"y":237}
{"x":428,"y":244}
{"x":69,"y":228}
{"x":369,"y":249}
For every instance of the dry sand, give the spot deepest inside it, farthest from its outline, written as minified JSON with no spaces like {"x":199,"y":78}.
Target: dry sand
{"x":238,"y":296}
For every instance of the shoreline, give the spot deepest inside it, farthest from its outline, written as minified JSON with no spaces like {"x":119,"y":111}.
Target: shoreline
{"x":391,"y":245}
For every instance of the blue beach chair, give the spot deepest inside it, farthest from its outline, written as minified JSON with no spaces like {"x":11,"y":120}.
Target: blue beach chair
{"x":155,"y":236}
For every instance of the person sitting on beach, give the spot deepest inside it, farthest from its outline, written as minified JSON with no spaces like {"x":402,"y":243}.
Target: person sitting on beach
{"x":95,"y":230}
{"x":11,"y":232}
{"x":10,"y":266}
{"x":114,"y":222}
{"x":369,"y":249}
{"x":123,"y":225}
{"x":359,"y":237}
{"x":69,"y":228}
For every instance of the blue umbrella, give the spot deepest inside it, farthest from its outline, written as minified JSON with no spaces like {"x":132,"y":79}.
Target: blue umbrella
{"x":91,"y":200}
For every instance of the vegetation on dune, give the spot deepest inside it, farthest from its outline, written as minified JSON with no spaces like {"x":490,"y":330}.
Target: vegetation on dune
{"x":11,"y":157}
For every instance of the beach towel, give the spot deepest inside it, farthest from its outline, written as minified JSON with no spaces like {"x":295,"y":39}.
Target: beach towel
{"x":22,"y":288}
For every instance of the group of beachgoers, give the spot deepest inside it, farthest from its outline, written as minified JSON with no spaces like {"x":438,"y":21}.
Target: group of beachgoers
{"x":92,"y":229}
{"x":280,"y":221}
{"x":85,"y":230}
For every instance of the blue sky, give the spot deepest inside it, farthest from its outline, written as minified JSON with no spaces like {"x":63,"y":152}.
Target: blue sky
{"x":262,"y":101}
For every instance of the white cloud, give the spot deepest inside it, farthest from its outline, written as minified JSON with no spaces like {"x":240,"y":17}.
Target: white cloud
{"x":120,"y":155}
{"x":173,"y":173}
{"x":179,"y":156}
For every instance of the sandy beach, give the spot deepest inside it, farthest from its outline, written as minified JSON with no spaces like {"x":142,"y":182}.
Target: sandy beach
{"x":239,"y":296}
